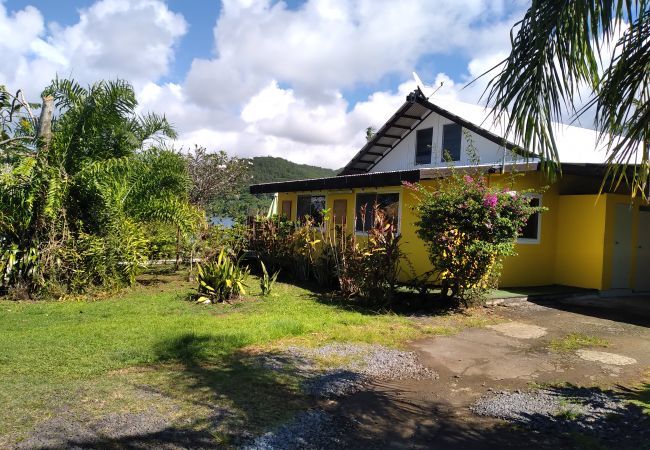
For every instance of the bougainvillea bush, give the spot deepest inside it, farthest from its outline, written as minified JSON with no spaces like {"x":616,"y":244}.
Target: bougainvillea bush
{"x":468,"y":227}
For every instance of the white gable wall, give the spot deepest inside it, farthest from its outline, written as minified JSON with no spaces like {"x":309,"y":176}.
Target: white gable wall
{"x":402,"y":157}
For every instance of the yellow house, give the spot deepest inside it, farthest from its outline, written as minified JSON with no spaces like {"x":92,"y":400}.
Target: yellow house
{"x":584,"y":239}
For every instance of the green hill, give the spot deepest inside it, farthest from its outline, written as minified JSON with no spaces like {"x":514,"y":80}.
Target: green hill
{"x":266,"y":169}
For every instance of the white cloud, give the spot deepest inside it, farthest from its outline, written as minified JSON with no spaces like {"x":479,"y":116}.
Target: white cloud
{"x":319,"y":49}
{"x":121,"y":38}
{"x":275,"y":82}
{"x":333,"y":44}
{"x":113,"y":38}
{"x":19,"y":36}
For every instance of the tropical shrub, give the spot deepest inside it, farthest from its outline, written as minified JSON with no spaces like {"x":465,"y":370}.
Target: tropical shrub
{"x":468,"y":227}
{"x":220,"y":280}
{"x":359,"y":267}
{"x":368,"y":268}
{"x":76,"y":191}
{"x":284,"y":245}
{"x":161,"y":238}
{"x":214,"y":238}
{"x":267,"y":281}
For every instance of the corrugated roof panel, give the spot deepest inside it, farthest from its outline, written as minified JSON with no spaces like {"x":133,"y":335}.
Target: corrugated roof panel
{"x":406,"y":122}
{"x":387,"y":140}
{"x":394,"y":131}
{"x":417,"y":110}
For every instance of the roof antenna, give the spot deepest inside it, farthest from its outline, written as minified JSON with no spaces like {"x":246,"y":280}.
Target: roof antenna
{"x":423,"y":87}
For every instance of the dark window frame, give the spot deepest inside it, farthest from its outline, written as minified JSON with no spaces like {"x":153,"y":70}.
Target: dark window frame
{"x":447,"y":140}
{"x":423,"y":150}
{"x":522,"y":238}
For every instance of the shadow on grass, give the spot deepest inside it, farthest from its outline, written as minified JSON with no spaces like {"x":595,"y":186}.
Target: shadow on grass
{"x":404,"y":304}
{"x":230,"y":396}
{"x":213,"y":367}
{"x":160,"y":275}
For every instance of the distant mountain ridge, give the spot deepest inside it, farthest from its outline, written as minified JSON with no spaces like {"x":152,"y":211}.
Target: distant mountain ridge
{"x":265,"y":169}
{"x":268,"y":169}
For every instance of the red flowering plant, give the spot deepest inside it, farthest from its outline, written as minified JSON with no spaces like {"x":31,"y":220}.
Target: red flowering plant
{"x":468,"y":227}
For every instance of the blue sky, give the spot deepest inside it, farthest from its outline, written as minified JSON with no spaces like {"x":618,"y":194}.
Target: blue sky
{"x":299,"y":79}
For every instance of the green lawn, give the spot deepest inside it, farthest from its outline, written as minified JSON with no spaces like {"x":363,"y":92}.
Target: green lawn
{"x":90,"y":357}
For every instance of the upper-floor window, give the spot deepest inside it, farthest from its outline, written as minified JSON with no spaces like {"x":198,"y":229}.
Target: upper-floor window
{"x":423,"y":140}
{"x":364,"y":211}
{"x":451,"y":139}
{"x":312,"y":206}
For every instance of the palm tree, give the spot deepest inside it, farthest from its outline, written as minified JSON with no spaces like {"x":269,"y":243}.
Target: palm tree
{"x":561,"y":46}
{"x":86,"y":189}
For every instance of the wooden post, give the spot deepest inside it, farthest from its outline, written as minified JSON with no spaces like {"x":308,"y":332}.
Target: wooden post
{"x":45,"y":123}
{"x":178,"y":246}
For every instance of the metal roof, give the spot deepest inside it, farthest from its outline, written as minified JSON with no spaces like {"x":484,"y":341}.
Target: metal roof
{"x":378,"y":179}
{"x":374,"y":179}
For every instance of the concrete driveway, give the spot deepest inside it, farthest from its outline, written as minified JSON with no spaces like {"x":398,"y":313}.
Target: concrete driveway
{"x":601,"y":343}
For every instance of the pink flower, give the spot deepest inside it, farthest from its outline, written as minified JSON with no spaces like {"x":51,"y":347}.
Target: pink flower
{"x":490,"y":200}
{"x":467,"y":179}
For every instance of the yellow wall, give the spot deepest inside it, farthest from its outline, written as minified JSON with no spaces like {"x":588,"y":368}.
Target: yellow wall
{"x":575,"y":246}
{"x":534,"y":263}
{"x":580,"y":241}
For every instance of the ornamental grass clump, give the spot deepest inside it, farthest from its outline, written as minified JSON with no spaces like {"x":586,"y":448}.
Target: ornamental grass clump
{"x":468,"y":227}
{"x":220,"y":280}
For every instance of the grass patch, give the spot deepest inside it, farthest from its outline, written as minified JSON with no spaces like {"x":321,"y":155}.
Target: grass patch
{"x":568,"y":411}
{"x":569,"y":414}
{"x":576,"y":341}
{"x":98,"y":354}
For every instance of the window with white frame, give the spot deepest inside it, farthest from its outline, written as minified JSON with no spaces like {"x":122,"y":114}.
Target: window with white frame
{"x":364,"y":211}
{"x":531,"y":232}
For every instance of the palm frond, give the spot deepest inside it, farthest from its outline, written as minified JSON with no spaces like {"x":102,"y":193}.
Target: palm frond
{"x":623,"y":107}
{"x":153,"y":126}
{"x":557,"y":50}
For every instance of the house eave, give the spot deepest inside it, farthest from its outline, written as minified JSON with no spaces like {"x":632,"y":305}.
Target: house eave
{"x":384,"y":179}
{"x":376,"y":179}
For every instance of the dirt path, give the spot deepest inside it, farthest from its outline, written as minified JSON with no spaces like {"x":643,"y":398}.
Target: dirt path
{"x":525,"y":351}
